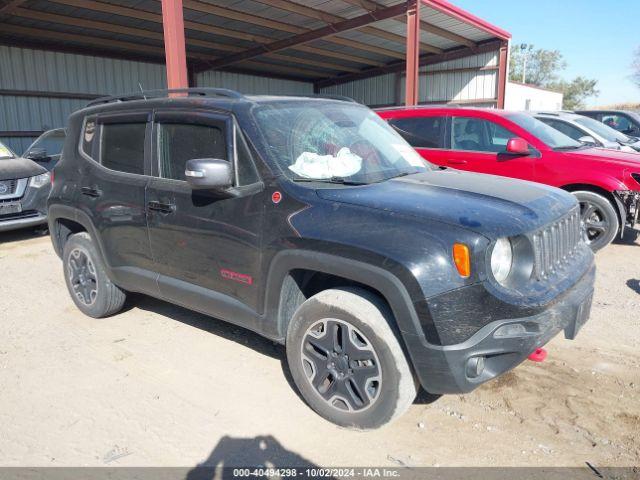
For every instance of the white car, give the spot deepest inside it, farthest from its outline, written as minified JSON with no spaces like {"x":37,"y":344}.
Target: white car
{"x":587,"y":130}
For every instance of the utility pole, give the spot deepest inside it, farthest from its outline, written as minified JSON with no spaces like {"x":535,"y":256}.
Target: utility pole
{"x":523,"y":49}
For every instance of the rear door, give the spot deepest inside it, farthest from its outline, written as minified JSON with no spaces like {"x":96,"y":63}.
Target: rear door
{"x":428,"y":135}
{"x":112,"y":192}
{"x":479,"y":145}
{"x":204,"y":243}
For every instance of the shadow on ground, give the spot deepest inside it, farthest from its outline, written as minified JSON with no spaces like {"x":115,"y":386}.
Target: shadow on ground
{"x":257,"y":452}
{"x":23,"y":234}
{"x":634,"y":284}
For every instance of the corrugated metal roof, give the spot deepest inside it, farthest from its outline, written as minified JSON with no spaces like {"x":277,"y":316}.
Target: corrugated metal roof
{"x":239,"y":25}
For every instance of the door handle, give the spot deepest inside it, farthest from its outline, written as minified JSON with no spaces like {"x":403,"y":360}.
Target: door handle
{"x":457,"y":162}
{"x":161,"y":207}
{"x":91,"y":191}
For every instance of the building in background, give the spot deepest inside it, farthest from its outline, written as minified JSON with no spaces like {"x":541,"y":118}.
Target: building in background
{"x":520,"y":96}
{"x":55,"y":55}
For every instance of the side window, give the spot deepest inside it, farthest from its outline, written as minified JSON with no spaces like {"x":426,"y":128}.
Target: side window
{"x":181,"y":142}
{"x":51,"y":142}
{"x":89,"y":139}
{"x":563,"y":127}
{"x":122,"y":147}
{"x":423,"y":132}
{"x":245,"y":168}
{"x":478,"y":135}
{"x":619,"y":122}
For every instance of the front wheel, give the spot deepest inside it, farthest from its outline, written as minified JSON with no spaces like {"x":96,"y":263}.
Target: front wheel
{"x":347,"y":361}
{"x":599,"y":219}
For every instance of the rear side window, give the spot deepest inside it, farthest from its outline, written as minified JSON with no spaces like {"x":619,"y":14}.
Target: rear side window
{"x":181,"y":142}
{"x":123,"y":147}
{"x":423,"y":132}
{"x":89,"y":139}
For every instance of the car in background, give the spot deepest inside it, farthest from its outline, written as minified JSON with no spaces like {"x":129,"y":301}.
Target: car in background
{"x":24,"y":188}
{"x":588,"y":130}
{"x":624,"y":121}
{"x":515,"y":144}
{"x":47,"y":148}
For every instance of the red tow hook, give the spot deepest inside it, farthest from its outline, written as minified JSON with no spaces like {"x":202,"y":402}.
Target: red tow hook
{"x":538,"y":355}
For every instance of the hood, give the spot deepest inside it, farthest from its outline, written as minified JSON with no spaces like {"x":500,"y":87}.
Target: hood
{"x":489,"y":205}
{"x":14,"y":168}
{"x":626,"y":159}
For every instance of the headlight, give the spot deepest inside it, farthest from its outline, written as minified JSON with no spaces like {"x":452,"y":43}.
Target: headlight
{"x":40,"y":180}
{"x":501,"y":259}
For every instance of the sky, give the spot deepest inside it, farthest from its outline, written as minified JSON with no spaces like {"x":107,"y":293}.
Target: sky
{"x":596,"y":37}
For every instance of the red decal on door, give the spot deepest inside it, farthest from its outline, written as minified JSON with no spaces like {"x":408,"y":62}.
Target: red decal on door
{"x":236,"y":277}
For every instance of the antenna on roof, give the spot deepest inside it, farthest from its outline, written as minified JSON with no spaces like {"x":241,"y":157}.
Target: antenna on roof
{"x":142,"y":91}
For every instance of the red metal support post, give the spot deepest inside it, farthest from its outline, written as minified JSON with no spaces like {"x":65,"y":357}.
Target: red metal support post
{"x":174,"y":48}
{"x":502,"y":73}
{"x":413,"y":52}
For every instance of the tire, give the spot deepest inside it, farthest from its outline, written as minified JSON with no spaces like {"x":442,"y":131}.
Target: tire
{"x":600,"y":219}
{"x":369,"y":382}
{"x":90,"y":288}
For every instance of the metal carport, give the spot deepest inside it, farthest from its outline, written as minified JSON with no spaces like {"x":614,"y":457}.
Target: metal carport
{"x":331,"y":46}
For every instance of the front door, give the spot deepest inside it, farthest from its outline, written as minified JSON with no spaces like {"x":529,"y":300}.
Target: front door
{"x":479,"y":145}
{"x":204,"y":245}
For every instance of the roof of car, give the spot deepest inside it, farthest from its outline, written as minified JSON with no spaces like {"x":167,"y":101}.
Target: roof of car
{"x":568,"y":115}
{"x":444,"y":107}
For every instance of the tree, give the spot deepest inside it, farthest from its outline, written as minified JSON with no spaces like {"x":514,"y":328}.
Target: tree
{"x":542,"y":66}
{"x":575,"y":92}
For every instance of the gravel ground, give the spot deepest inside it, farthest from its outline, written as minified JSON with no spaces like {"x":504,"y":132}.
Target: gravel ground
{"x":159,"y":385}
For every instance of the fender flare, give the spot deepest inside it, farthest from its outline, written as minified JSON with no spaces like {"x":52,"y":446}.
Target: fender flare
{"x":388,"y":284}
{"x":57,"y":212}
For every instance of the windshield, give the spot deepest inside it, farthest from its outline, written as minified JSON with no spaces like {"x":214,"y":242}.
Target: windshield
{"x":548,"y":135}
{"x":330,"y":141}
{"x":5,"y":152}
{"x":603,"y":130}
{"x":51,"y":141}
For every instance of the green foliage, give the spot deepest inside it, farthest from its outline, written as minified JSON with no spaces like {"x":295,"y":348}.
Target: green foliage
{"x":575,"y":92}
{"x":543,"y":69}
{"x":542,"y":65}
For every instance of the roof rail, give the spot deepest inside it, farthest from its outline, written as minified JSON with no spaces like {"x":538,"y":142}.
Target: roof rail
{"x":143,"y":95}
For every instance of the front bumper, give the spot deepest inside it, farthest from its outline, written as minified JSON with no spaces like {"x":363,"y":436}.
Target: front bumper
{"x":453,"y":368}
{"x":34,"y":209}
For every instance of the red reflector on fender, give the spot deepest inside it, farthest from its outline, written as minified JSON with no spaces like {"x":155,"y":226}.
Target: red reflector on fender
{"x":538,"y":355}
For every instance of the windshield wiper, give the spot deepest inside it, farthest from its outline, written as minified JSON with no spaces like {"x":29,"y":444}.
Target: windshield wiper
{"x":573,"y":147}
{"x":336,"y":180}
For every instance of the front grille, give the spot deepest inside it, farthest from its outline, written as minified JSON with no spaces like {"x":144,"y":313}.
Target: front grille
{"x":555,"y":244}
{"x":8,"y":187}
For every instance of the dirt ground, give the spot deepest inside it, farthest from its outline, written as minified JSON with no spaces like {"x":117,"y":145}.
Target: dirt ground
{"x":159,"y":385}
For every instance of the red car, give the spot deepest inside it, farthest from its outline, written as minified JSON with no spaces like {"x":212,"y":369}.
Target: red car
{"x":515,"y":144}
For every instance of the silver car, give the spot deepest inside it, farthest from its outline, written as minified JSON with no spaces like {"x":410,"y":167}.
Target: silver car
{"x":587,"y":130}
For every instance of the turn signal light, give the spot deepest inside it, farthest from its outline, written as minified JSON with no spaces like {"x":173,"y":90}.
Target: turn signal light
{"x":462,"y":259}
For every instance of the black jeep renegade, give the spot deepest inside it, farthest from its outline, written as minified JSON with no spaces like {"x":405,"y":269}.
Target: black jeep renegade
{"x":311,"y":222}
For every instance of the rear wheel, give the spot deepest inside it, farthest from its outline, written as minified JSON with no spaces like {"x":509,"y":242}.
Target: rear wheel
{"x":90,"y":288}
{"x":346,"y":360}
{"x":599,"y":219}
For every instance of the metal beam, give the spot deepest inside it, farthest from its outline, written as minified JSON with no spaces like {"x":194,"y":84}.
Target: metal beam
{"x":429,"y":59}
{"x":174,"y":44}
{"x":502,"y":73}
{"x":9,"y":7}
{"x":259,"y":68}
{"x":425,"y":26}
{"x":413,"y":53}
{"x":332,"y":29}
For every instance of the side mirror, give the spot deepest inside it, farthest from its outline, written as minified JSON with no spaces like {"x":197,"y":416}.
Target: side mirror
{"x":208,"y":174}
{"x":517,"y":146}
{"x":37,"y":154}
{"x":588,"y":139}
